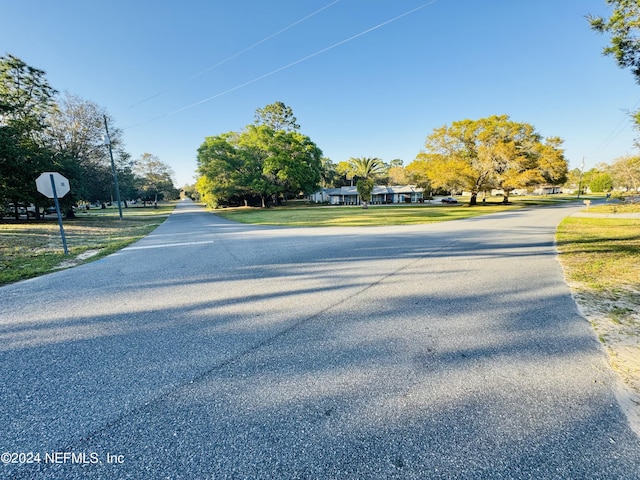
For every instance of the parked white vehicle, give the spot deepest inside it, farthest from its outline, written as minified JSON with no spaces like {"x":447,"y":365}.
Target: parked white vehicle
{"x":28,"y":210}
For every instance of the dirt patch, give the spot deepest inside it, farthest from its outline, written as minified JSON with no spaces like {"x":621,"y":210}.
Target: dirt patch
{"x":615,"y":318}
{"x":77,"y":260}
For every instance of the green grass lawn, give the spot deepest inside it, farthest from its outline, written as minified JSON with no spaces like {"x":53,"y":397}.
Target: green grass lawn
{"x":355,"y":216}
{"x":601,"y":253}
{"x":615,"y":207}
{"x":301,"y":215}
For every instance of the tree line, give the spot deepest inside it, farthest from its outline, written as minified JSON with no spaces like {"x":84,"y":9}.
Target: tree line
{"x":270,"y":161}
{"x":43,"y":130}
{"x":267,"y":161}
{"x":622,"y":175}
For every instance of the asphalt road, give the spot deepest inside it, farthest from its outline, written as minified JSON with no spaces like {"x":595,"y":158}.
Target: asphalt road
{"x":213,"y":350}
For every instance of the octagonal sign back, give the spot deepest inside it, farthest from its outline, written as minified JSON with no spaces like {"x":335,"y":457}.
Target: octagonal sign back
{"x":43,"y":183}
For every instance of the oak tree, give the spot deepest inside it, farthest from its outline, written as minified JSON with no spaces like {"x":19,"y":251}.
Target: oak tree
{"x":492,"y":152}
{"x":155,"y":178}
{"x":260,"y":162}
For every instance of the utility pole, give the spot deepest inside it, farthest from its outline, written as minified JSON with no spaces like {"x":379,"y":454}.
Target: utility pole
{"x":107,"y":142}
{"x":580,"y":180}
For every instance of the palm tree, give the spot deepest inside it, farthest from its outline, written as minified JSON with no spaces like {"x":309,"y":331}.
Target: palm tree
{"x":366,"y":169}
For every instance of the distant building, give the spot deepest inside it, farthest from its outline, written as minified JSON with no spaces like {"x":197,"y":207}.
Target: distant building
{"x":538,"y":190}
{"x":381,"y":195}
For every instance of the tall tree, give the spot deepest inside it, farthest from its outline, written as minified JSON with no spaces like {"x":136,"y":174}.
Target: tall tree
{"x":76,"y":127}
{"x":293,"y":164}
{"x":268,"y":159}
{"x":25,"y":100}
{"x":447,"y":174}
{"x":346,"y":171}
{"x":478,"y":155}
{"x":329,"y":176}
{"x":155,"y":177}
{"x":228,"y":171}
{"x":25,"y":95}
{"x":367,"y":167}
{"x":626,"y":172}
{"x":366,"y":170}
{"x":277,"y":116}
{"x":398,"y":176}
{"x":76,"y":133}
{"x":417,"y":174}
{"x":624,"y":27}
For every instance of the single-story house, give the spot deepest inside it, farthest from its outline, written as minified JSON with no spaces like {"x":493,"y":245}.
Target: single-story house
{"x":538,"y":190}
{"x":380,"y":195}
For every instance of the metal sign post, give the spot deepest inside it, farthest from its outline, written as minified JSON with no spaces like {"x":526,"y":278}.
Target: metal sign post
{"x":46,"y":184}
{"x":55,"y":198}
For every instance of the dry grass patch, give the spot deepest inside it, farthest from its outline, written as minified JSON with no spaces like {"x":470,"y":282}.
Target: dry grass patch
{"x":30,"y":248}
{"x":601,"y":259}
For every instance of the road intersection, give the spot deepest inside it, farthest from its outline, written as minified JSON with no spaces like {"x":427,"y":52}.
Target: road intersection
{"x":211,"y":349}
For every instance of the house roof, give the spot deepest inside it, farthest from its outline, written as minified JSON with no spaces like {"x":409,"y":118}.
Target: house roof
{"x":377,"y":190}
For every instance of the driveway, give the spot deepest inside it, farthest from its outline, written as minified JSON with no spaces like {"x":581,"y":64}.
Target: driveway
{"x":211,"y":349}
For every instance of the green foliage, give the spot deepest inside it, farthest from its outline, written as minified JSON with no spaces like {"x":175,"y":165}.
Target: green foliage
{"x":345,"y":170}
{"x":293,"y":164}
{"x":277,"y":116}
{"x":492,"y":152}
{"x":40,"y":131}
{"x":25,"y":95}
{"x":625,"y":172}
{"x":365,"y":167}
{"x":206,"y":191}
{"x":601,"y":182}
{"x":25,"y":100}
{"x":258,"y":163}
{"x":154,"y":179}
{"x":329,"y":176}
{"x":624,"y":27}
{"x":365,"y":188}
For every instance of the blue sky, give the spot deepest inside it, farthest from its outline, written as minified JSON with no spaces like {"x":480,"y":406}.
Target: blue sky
{"x":363,"y":78}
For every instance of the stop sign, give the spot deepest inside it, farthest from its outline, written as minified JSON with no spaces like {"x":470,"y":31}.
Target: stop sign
{"x":43,"y":183}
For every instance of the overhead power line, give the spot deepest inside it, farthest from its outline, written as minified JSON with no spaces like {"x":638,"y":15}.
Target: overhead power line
{"x":237,"y":54}
{"x":289,"y":65}
{"x":621,"y":127}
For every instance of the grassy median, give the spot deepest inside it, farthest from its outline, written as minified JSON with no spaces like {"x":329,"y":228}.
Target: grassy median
{"x":29,"y":248}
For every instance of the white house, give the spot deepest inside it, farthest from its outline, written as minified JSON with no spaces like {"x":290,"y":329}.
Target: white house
{"x":538,"y":190}
{"x":380,"y":195}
